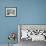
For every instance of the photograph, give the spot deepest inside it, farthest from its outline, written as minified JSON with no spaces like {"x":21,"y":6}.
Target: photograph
{"x":10,"y":11}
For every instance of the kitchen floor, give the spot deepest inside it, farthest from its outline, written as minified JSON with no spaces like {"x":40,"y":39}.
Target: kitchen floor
{"x":32,"y":43}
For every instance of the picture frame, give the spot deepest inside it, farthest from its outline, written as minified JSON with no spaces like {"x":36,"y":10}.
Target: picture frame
{"x":10,"y":11}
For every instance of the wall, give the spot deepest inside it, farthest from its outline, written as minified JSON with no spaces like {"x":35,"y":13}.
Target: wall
{"x":33,"y":12}
{"x":28,"y":12}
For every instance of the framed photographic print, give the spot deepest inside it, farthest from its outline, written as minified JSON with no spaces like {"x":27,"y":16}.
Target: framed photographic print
{"x":11,"y":11}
